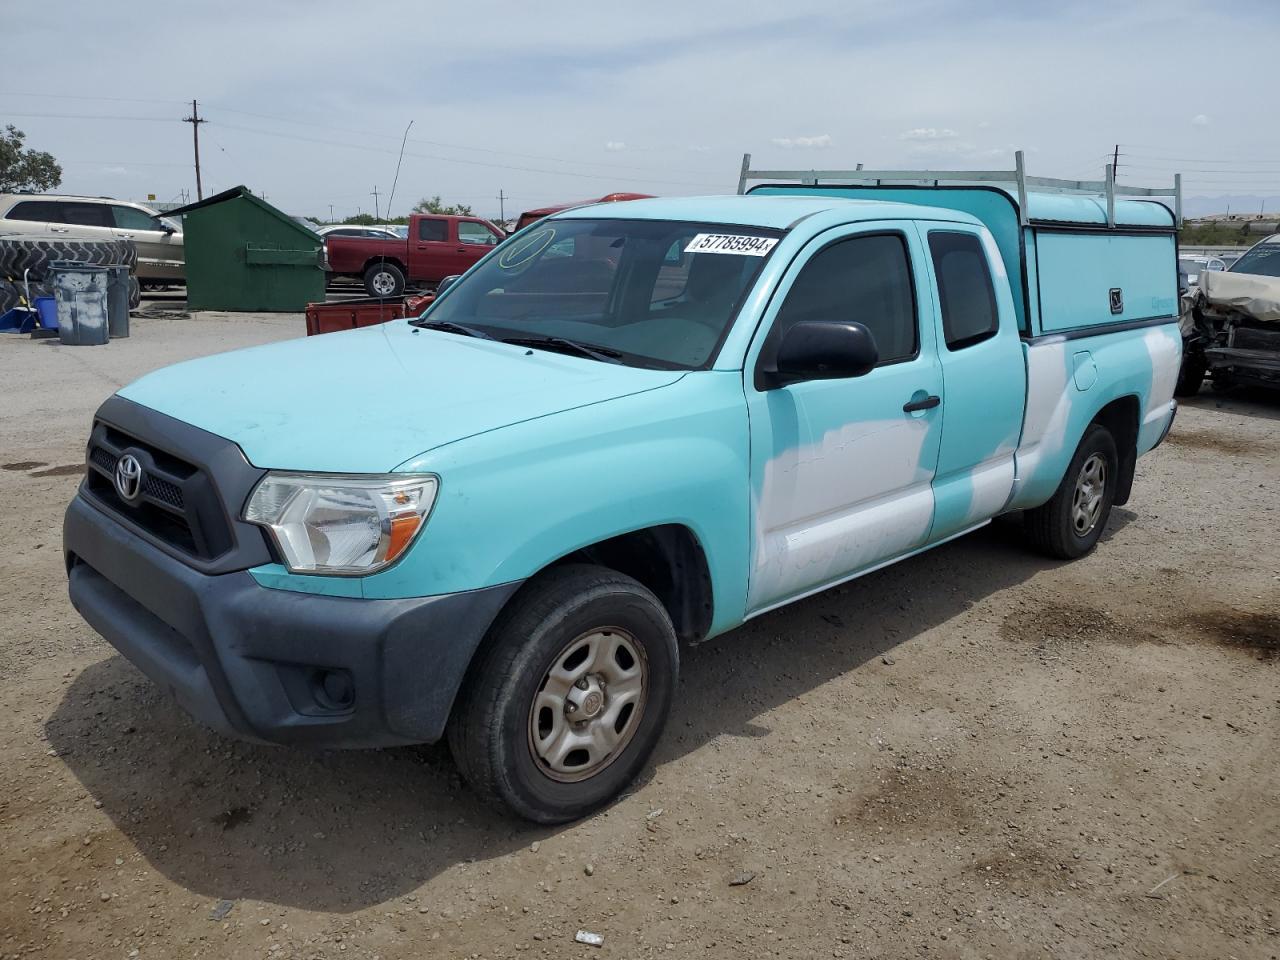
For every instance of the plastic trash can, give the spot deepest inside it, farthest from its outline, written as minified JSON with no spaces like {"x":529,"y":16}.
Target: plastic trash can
{"x":47,"y":311}
{"x":118,"y":300}
{"x":81,"y":293}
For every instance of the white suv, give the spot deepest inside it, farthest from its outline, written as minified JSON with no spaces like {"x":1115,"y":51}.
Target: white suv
{"x":159,"y":241}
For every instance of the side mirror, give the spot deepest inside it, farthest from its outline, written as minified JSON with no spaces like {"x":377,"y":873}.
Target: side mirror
{"x":446,"y":283}
{"x":823,"y":350}
{"x":167,"y":229}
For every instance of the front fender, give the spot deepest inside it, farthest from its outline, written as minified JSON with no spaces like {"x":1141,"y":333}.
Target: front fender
{"x":516,"y":499}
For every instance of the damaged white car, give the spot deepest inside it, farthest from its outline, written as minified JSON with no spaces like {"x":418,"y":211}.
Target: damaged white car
{"x":1231,"y":324}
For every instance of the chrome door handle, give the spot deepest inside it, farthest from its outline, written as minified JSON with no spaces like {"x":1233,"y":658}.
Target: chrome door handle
{"x":59,"y":230}
{"x":927,"y":403}
{"x":127,"y":236}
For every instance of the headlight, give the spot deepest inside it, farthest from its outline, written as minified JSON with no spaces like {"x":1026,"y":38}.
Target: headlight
{"x":325,"y":523}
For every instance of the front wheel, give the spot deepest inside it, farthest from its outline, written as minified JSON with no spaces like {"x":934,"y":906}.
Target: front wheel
{"x":569,"y":696}
{"x":1069,"y":525}
{"x":384,"y":280}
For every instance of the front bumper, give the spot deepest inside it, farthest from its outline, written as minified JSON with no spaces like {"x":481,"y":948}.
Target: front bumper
{"x":274,"y":665}
{"x":1246,"y":365}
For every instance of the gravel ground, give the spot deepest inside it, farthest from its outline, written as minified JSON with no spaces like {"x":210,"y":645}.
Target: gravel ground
{"x":975,"y":753}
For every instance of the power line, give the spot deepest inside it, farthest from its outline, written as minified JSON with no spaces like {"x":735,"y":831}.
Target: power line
{"x":438,"y":143}
{"x":68,"y":96}
{"x":84,"y":116}
{"x":460,"y":160}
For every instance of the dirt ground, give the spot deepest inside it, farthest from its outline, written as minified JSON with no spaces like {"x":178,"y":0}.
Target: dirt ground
{"x":975,"y":753}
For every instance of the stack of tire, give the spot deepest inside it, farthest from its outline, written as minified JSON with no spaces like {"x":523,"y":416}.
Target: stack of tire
{"x":32,"y":254}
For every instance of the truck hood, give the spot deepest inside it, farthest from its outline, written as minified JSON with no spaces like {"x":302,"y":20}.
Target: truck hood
{"x":365,"y":401}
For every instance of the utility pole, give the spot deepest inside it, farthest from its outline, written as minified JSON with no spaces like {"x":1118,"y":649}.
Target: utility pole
{"x":376,"y":215}
{"x":502,"y":207}
{"x":195,"y":122}
{"x":1115,"y":162}
{"x":331,"y":213}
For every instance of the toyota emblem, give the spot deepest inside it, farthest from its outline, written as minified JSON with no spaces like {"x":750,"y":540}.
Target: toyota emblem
{"x":128,"y":477}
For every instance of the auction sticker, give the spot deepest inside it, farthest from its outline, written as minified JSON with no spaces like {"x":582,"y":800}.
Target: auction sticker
{"x":741,"y":245}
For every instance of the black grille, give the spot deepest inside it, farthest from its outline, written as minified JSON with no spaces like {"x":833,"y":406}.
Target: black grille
{"x":162,"y":490}
{"x":177,"y":504}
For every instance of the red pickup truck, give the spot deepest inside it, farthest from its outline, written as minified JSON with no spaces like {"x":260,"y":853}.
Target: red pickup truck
{"x":437,"y":247}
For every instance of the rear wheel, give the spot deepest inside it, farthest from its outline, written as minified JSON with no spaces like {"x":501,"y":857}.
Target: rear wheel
{"x":384,"y":280}
{"x":570,"y":695}
{"x":1069,"y":525}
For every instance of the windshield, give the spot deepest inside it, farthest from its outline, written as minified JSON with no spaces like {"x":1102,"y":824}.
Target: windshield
{"x":1263,"y":260}
{"x":652,"y":292}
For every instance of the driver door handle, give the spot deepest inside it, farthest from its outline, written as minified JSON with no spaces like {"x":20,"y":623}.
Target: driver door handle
{"x":927,"y":403}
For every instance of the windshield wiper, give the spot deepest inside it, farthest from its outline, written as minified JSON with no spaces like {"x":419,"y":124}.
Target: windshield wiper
{"x":603,"y":354}
{"x":448,"y":326}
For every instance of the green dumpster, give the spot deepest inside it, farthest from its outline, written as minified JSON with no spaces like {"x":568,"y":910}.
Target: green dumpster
{"x":244,"y":254}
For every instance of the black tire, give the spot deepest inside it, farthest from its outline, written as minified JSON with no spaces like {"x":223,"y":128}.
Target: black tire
{"x":491,"y":731}
{"x":1051,"y":528}
{"x":34,"y":254}
{"x":392,"y":286}
{"x":1190,"y":376}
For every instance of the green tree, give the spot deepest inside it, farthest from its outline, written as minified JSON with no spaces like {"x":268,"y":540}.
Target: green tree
{"x":437,"y":205}
{"x":22,"y":169}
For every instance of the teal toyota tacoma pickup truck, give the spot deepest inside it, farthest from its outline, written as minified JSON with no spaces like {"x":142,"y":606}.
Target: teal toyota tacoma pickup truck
{"x":627,"y":428}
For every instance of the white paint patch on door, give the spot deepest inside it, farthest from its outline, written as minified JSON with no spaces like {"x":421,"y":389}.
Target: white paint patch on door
{"x":828,"y":509}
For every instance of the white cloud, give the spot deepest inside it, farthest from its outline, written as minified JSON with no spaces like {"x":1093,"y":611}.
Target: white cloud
{"x":615,"y":146}
{"x":929,"y":133}
{"x":1200,"y":120}
{"x":819,"y":142}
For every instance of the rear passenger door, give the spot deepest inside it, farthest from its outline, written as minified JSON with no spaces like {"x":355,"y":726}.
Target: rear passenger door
{"x":983,"y":372}
{"x":435,"y":253}
{"x":841,"y":472}
{"x":84,"y":221}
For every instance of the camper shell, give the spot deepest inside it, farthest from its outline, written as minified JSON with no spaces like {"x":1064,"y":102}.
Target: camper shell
{"x":1078,"y":254}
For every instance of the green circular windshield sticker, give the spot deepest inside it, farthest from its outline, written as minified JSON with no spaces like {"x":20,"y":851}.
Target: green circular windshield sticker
{"x":524,"y":250}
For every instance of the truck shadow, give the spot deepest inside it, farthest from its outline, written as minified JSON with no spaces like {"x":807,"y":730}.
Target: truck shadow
{"x":342,"y":831}
{"x":1247,"y":402}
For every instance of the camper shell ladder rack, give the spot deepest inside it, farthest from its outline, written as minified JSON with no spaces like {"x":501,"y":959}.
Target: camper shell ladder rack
{"x":1106,"y":187}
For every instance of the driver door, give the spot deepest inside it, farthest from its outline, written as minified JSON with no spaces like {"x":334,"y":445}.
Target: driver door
{"x":841,"y":472}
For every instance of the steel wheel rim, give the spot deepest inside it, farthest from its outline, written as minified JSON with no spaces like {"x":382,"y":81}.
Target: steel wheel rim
{"x":383,"y":283}
{"x":589,"y":704}
{"x":1091,"y":487}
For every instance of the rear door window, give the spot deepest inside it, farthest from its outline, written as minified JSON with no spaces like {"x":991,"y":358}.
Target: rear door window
{"x":965,"y":294}
{"x":86,"y":214}
{"x":433,"y":231}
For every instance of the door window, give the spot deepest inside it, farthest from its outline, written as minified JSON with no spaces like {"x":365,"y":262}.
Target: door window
{"x":127,"y":218}
{"x":85,"y":214}
{"x":863,"y":279}
{"x":965,"y":293}
{"x":469,"y":232}
{"x":433,"y":230}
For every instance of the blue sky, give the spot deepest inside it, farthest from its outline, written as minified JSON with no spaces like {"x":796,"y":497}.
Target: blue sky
{"x":307,"y":101}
